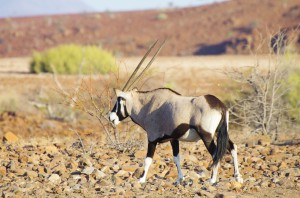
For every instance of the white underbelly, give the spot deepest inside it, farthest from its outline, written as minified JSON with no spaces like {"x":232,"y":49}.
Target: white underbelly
{"x":190,"y":136}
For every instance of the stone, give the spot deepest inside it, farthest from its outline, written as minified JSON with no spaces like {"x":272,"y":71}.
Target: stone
{"x":105,"y":169}
{"x":264,"y":184}
{"x":140,"y":154}
{"x":253,"y":159}
{"x":226,"y":195}
{"x":298,"y":186}
{"x":130,"y":168}
{"x":51,"y":149}
{"x":273,"y":168}
{"x":194,"y":176}
{"x":172,"y":173}
{"x":86,"y":160}
{"x":32,"y":174}
{"x":10,"y":137}
{"x":116,"y":167}
{"x":264,"y":140}
{"x":76,"y":176}
{"x":88,"y":170}
{"x":163,"y":173}
{"x":2,"y":170}
{"x":20,"y":171}
{"x":122,"y":174}
{"x":103,"y":183}
{"x":292,"y":171}
{"x":120,"y":191}
{"x":204,"y":193}
{"x":236,"y":185}
{"x":251,"y":179}
{"x":228,"y":158}
{"x":76,"y":187}
{"x":67,"y":189}
{"x":117,"y":181}
{"x":138,"y":173}
{"x":54,"y":178}
{"x":136,"y":186}
{"x":227,"y":166}
{"x":34,"y":159}
{"x":250,"y":143}
{"x":192,"y":159}
{"x":99,"y":174}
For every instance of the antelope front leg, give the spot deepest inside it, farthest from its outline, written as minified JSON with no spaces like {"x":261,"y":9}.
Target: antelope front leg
{"x":176,"y":157}
{"x":148,"y":160}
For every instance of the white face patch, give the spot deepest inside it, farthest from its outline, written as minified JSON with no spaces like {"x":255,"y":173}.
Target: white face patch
{"x":122,"y":107}
{"x":114,"y":118}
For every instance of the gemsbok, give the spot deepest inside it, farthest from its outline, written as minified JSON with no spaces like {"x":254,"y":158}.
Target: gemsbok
{"x":165,"y":115}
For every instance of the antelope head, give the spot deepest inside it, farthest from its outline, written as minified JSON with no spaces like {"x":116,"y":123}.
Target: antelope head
{"x":119,"y":111}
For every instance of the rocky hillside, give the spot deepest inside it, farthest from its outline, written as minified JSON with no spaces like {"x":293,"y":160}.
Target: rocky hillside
{"x":231,"y":27}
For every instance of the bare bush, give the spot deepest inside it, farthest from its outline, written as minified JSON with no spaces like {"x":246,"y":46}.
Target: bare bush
{"x":260,"y":105}
{"x":93,"y":95}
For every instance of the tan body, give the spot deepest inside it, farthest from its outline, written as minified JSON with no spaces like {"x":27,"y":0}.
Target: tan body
{"x":160,"y":112}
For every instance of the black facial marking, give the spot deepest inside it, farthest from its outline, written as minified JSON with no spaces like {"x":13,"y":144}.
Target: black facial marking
{"x":117,"y":109}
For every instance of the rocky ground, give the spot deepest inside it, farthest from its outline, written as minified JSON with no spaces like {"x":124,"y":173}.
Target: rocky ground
{"x":61,"y":167}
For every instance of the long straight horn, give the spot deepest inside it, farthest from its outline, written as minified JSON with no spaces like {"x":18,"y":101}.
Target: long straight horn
{"x":148,"y":65}
{"x":138,"y":66}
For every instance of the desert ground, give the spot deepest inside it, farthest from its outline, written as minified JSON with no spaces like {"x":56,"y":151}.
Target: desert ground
{"x":44,"y":156}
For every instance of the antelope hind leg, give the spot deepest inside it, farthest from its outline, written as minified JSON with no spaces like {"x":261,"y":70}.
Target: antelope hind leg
{"x":233,"y":151}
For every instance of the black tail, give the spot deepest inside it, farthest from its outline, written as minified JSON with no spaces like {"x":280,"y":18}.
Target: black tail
{"x":222,"y":140}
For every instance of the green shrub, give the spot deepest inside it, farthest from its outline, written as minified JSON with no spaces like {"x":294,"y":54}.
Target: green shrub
{"x":73,"y":59}
{"x":292,"y":96}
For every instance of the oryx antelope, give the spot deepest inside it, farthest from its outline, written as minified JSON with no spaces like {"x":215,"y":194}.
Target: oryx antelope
{"x":167,"y":116}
